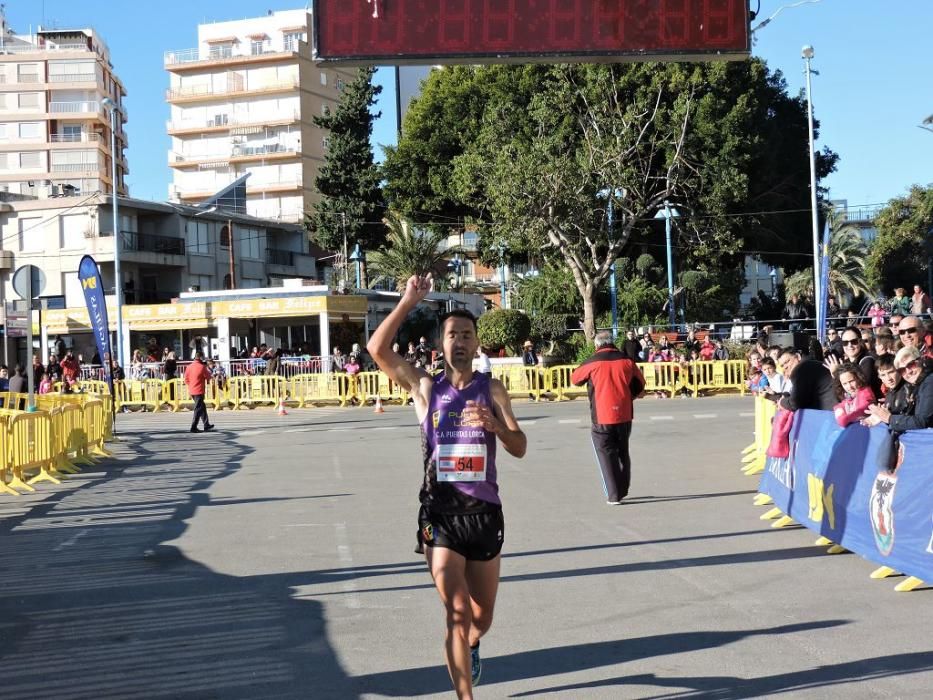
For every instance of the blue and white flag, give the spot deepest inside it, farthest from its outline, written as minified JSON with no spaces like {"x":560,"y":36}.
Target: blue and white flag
{"x":822,"y":306}
{"x":96,"y":309}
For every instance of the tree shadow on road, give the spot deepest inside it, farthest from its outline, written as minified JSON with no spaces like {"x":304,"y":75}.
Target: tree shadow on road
{"x":540,"y":663}
{"x":735,"y":688}
{"x":94,"y":605}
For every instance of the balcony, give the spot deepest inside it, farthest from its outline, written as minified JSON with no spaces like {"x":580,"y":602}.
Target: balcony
{"x":186,"y":57}
{"x":151,"y":243}
{"x":232,"y":122}
{"x":201,"y":92}
{"x":88,"y":167}
{"x":72,"y":78}
{"x":280,"y":257}
{"x":75,"y":107}
{"x":75,"y":138}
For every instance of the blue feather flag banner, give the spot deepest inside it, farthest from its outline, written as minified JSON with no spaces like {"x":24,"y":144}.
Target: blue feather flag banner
{"x":89,"y":275}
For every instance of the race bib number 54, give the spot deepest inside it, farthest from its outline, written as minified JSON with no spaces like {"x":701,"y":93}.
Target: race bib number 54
{"x":461,"y":462}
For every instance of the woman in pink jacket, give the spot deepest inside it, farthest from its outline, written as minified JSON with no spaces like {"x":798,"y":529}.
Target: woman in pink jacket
{"x":855,"y":392}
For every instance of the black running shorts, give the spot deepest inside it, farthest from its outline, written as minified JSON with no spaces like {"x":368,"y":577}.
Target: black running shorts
{"x":477,"y":537}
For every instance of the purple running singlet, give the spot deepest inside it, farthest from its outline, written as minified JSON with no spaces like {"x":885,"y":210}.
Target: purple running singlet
{"x":459,"y":461}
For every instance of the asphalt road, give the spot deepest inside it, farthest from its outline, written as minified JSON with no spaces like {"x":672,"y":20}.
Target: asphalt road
{"x":273,"y":559}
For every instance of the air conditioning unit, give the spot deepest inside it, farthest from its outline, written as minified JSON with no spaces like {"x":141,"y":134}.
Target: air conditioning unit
{"x":6,"y":260}
{"x":210,"y":122}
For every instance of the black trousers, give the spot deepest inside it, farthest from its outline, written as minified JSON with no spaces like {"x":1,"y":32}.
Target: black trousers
{"x":200,"y":411}
{"x":611,"y":445}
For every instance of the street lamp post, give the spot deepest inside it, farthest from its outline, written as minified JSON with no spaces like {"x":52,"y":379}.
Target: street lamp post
{"x":112,"y":107}
{"x":807,"y":53}
{"x":357,"y":256}
{"x":668,"y":213}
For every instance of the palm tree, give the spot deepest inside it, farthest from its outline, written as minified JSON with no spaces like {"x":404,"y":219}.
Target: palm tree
{"x":409,"y":252}
{"x":847,"y":253}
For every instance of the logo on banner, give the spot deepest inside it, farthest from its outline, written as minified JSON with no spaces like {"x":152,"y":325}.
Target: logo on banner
{"x":881,"y":511}
{"x":782,"y":468}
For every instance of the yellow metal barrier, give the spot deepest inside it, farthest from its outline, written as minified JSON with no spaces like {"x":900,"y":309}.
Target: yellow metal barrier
{"x":557,"y":382}
{"x":663,"y":377}
{"x":722,"y":375}
{"x":94,"y":427}
{"x":31,"y":448}
{"x":176,"y":394}
{"x":138,"y":394}
{"x":253,"y":391}
{"x":520,"y":380}
{"x":6,"y":465}
{"x":310,"y":389}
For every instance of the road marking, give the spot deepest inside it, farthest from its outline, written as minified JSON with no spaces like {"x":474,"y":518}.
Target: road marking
{"x":247,"y":433}
{"x":569,"y":420}
{"x":296,"y":430}
{"x":70,"y":541}
{"x":386,"y":427}
{"x":529,"y":422}
{"x":704,"y":415}
{"x":662,"y":417}
{"x":338,"y":430}
{"x":746,"y":415}
{"x":352,"y":600}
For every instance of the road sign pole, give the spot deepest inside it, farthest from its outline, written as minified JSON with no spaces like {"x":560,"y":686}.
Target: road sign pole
{"x":6,"y":334}
{"x":30,"y":372}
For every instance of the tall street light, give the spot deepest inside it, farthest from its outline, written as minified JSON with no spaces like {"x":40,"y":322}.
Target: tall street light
{"x":807,"y":53}
{"x":112,"y":107}
{"x":668,"y":213}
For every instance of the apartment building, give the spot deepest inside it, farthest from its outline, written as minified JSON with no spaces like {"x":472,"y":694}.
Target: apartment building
{"x":242,"y":102}
{"x":165,"y":248}
{"x":56,"y":90}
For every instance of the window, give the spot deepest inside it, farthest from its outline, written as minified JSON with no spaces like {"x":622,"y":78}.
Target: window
{"x":325,"y":143}
{"x":2,"y":131}
{"x":198,"y":243}
{"x":73,"y":227}
{"x":221,"y":51}
{"x":249,"y":243}
{"x":3,"y":161}
{"x":31,"y":235}
{"x":201,"y":282}
{"x":30,"y":160}
{"x":228,"y":281}
{"x":248,"y":283}
{"x":340,"y":84}
{"x":225,"y":236}
{"x":325,"y":109}
{"x":323,"y":78}
{"x":71,"y":133}
{"x":28,"y":73}
{"x":29,"y":130}
{"x":74,"y":293}
{"x":256,"y":46}
{"x":29,"y":100}
{"x":292,"y":39}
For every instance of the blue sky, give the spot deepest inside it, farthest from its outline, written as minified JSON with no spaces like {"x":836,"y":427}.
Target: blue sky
{"x":872,"y":92}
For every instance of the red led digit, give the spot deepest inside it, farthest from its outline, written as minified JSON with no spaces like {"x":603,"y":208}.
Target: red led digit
{"x":342,"y":25}
{"x":564,"y":18}
{"x":674,"y":22}
{"x":498,"y":22}
{"x":453,"y":27}
{"x":385,"y":32}
{"x":719,"y":20}
{"x":608,"y":23}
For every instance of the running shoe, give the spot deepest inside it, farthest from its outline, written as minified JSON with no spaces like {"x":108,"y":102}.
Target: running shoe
{"x":476,"y":664}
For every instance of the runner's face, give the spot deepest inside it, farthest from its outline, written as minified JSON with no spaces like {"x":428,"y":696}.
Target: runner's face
{"x":460,"y":342}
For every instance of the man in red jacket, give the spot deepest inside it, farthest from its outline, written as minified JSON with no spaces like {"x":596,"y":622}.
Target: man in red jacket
{"x":196,"y":377}
{"x":613,"y":382}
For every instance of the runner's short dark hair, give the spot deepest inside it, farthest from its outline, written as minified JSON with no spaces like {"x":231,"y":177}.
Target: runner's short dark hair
{"x":459,"y":313}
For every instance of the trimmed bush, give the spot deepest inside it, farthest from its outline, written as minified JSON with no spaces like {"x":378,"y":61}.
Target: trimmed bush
{"x":506,"y":328}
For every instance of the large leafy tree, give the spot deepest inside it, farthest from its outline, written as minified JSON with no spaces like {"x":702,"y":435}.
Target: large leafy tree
{"x":538,"y":155}
{"x":352,"y":203}
{"x":901,"y":254}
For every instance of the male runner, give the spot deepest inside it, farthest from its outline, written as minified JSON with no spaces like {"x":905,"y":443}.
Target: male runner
{"x":461,"y":413}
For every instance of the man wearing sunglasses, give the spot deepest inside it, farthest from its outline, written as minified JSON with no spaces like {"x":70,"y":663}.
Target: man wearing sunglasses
{"x":919,"y":386}
{"x":911,"y":334}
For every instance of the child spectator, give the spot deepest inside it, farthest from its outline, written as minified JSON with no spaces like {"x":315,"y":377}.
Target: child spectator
{"x":707,"y":350}
{"x":45,"y":384}
{"x":855,"y":393}
{"x":778,"y":384}
{"x":876,"y":314}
